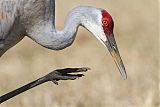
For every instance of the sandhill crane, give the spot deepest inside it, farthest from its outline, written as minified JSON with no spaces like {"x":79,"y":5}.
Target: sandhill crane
{"x":36,"y":19}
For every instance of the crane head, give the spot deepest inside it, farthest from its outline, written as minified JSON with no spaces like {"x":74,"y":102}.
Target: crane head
{"x":100,"y":23}
{"x":109,"y":41}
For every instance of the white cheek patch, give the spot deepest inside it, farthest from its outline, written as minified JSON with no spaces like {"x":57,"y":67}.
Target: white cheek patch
{"x":94,"y":25}
{"x":101,"y":33}
{"x":103,"y":36}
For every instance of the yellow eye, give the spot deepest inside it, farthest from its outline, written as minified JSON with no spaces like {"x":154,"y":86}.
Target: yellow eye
{"x":105,"y":23}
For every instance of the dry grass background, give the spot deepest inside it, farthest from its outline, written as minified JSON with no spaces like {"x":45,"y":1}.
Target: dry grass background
{"x":136,"y":32}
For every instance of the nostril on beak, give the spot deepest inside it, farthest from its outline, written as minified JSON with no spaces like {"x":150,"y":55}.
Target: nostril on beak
{"x":114,"y":47}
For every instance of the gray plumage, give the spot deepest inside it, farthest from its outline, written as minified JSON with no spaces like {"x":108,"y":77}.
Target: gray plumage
{"x":36,"y":19}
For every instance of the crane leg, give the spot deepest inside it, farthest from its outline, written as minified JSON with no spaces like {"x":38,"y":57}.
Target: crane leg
{"x":54,"y":76}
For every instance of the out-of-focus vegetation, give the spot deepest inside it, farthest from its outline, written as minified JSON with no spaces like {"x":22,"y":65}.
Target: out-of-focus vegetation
{"x":136,"y":32}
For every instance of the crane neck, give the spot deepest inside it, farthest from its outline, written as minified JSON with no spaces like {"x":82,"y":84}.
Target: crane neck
{"x":45,"y":34}
{"x":39,"y":21}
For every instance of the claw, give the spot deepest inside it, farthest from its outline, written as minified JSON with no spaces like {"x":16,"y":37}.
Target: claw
{"x":84,"y":69}
{"x":73,"y":70}
{"x":55,"y":82}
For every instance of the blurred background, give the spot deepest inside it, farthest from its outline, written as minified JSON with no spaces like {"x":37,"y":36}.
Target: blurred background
{"x":136,"y":32}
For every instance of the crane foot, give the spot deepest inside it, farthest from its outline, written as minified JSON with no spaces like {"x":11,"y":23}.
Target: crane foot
{"x":65,"y":74}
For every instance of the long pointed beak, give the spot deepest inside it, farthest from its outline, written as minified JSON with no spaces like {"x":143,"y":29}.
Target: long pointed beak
{"x":113,"y":49}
